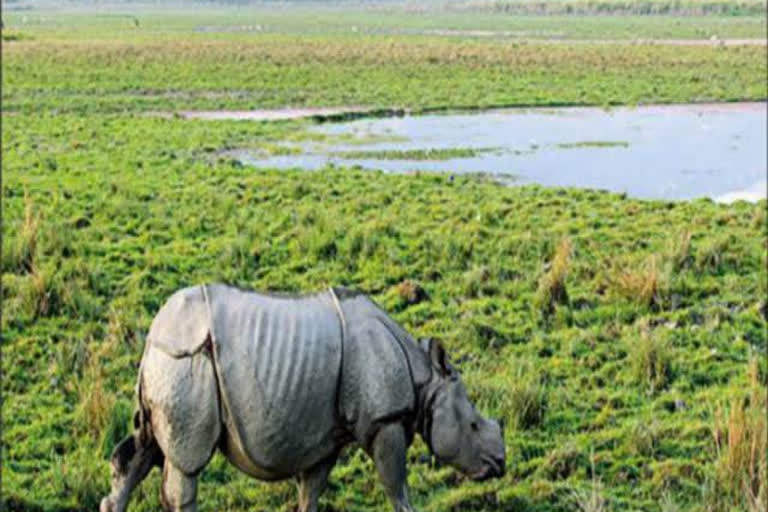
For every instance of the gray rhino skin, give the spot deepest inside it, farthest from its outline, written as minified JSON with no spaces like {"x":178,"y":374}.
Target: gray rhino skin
{"x":280,"y":384}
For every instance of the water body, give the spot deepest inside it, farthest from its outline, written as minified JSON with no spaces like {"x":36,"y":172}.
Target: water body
{"x":660,"y":152}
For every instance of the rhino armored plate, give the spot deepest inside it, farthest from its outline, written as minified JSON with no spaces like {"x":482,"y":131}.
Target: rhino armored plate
{"x":278,"y":361}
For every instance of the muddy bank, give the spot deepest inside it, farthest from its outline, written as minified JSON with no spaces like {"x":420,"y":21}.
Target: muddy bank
{"x":282,"y":114}
{"x":347,"y":113}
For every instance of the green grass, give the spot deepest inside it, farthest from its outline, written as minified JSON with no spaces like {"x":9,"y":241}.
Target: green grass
{"x":74,"y":63}
{"x":622,"y":340}
{"x":110,"y":214}
{"x":422,"y":73}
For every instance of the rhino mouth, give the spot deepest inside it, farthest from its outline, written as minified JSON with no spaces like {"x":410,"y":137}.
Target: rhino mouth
{"x":493,"y":468}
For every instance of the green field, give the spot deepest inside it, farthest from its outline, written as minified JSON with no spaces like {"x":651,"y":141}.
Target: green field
{"x":624,"y":340}
{"x":68,"y":62}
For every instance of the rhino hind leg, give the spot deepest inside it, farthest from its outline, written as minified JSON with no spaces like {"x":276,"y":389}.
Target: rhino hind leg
{"x":183,"y":398}
{"x":179,"y":492}
{"x":131,"y":462}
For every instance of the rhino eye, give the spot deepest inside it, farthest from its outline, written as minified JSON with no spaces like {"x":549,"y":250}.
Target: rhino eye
{"x":474,"y":426}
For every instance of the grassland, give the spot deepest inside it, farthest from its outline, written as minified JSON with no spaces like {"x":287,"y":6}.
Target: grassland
{"x":137,"y":22}
{"x":623,"y":340}
{"x":420,"y":73}
{"x":106,"y":64}
{"x":624,"y":343}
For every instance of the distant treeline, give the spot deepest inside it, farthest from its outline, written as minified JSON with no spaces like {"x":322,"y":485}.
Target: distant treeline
{"x":541,"y":7}
{"x":635,"y":7}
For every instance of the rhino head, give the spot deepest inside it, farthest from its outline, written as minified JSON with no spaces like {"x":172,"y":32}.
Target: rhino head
{"x":456,"y":433}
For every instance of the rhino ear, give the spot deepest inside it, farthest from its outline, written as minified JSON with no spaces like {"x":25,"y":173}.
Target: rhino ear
{"x":439,"y":358}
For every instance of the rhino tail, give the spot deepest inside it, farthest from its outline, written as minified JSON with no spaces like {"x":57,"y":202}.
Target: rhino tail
{"x":142,"y":425}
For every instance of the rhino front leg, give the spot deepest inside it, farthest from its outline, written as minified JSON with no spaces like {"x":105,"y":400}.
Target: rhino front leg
{"x":312,"y":484}
{"x":388,"y":451}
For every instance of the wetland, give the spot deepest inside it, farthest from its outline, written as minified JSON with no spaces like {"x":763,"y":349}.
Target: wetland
{"x":621,"y":334}
{"x":659,"y":152}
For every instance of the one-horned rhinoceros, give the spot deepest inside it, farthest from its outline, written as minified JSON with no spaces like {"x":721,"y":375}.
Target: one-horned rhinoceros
{"x":280,"y":384}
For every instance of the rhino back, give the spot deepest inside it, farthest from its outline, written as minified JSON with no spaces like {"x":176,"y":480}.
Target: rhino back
{"x":278,"y":361}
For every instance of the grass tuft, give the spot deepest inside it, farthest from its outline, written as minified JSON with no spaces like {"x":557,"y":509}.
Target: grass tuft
{"x":650,"y":358}
{"x":646,"y":286}
{"x":527,"y":398}
{"x":563,"y":461}
{"x":713,"y":255}
{"x":42,"y":297}
{"x":96,"y":403}
{"x":739,"y":434}
{"x":116,"y":427}
{"x":411,"y":292}
{"x":552,"y":289}
{"x":22,"y":249}
{"x":591,"y":499}
{"x":643,"y":438}
{"x":477,"y":282}
{"x":679,"y":253}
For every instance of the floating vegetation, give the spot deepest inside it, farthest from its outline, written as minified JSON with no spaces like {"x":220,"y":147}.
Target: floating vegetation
{"x":413,"y":154}
{"x":594,"y":144}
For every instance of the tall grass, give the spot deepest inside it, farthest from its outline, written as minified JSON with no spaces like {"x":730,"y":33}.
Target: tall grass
{"x":20,"y":251}
{"x":96,"y":402}
{"x":527,"y":399}
{"x":650,"y":360}
{"x":646,"y":285}
{"x":478,"y":281}
{"x":591,"y":499}
{"x":713,"y":255}
{"x":679,"y":251}
{"x":72,"y":369}
{"x":410,"y":292}
{"x":552,"y":290}
{"x":740,"y":433}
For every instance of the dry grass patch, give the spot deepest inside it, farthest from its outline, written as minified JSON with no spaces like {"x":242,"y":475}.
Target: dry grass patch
{"x":645,"y":285}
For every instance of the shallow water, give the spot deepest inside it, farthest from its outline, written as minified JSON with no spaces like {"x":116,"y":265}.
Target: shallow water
{"x":663,"y":152}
